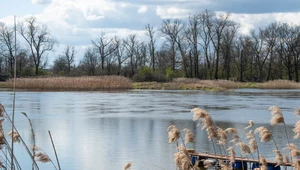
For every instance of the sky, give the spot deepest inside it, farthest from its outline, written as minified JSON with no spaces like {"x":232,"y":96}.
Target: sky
{"x":77,"y":22}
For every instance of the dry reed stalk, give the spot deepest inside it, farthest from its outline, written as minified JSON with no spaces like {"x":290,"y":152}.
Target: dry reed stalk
{"x":181,"y":160}
{"x":19,"y":137}
{"x":235,"y":139}
{"x":231,"y":130}
{"x":173,"y":133}
{"x":296,"y":164}
{"x":262,"y":160}
{"x":251,"y":123}
{"x":42,"y":157}
{"x":225,"y":166}
{"x":14,"y":135}
{"x":231,"y":154}
{"x":189,"y":136}
{"x":297,"y":111}
{"x":295,"y":153}
{"x":198,"y":113}
{"x":244,"y":148}
{"x":278,"y":158}
{"x":264,"y":134}
{"x":277,"y":116}
{"x":207,"y":122}
{"x":207,"y":164}
{"x":286,"y":159}
{"x":296,"y":130}
{"x":127,"y":166}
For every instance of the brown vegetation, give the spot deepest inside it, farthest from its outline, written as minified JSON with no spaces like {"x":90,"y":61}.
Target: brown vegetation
{"x":72,"y":83}
{"x":219,"y":137}
{"x":118,"y":82}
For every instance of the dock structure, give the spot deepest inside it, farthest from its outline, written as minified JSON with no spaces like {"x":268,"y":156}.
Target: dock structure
{"x":241,"y":160}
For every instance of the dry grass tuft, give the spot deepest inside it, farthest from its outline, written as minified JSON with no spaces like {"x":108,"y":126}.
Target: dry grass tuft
{"x":73,"y":83}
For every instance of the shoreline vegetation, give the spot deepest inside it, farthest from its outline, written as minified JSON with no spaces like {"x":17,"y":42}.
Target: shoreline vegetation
{"x":122,"y":83}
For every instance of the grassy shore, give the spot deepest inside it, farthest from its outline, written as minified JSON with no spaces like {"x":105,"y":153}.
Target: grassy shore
{"x":117,"y":82}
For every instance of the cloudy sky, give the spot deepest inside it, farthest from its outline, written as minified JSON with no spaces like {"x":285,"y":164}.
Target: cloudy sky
{"x":77,"y":22}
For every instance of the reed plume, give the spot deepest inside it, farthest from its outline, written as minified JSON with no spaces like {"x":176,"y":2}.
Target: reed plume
{"x":264,"y":134}
{"x":231,"y":130}
{"x":295,"y":153}
{"x":263,"y":163}
{"x":286,"y":159}
{"x":251,"y":123}
{"x":207,"y":122}
{"x":14,"y":135}
{"x":189,"y":136}
{"x":225,"y":166}
{"x":297,"y":111}
{"x":2,"y":110}
{"x":173,"y":133}
{"x":199,"y":113}
{"x":296,"y":164}
{"x":181,"y":160}
{"x":231,"y":154}
{"x":42,"y":157}
{"x":244,"y":148}
{"x":296,"y":130}
{"x":207,"y":164}
{"x":278,"y":158}
{"x":127,"y":166}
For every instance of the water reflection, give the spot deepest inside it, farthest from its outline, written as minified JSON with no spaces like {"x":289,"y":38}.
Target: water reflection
{"x":105,"y":130}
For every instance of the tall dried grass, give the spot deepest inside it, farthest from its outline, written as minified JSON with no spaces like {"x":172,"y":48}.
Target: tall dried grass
{"x":219,"y":136}
{"x":73,"y":83}
{"x":279,"y":84}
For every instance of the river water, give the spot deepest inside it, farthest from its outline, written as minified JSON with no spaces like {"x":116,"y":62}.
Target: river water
{"x":107,"y":129}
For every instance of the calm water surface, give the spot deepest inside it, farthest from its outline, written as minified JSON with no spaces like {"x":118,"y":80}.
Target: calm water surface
{"x":105,"y":130}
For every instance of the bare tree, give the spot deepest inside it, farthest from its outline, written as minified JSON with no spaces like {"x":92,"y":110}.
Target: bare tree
{"x":104,"y":46}
{"x":220,"y":23}
{"x":8,"y":44}
{"x":130,"y":45}
{"x":171,"y":30}
{"x":90,"y":61}
{"x":206,"y":24}
{"x":150,"y":32}
{"x":192,"y":34}
{"x":38,"y":38}
{"x":69,"y":55}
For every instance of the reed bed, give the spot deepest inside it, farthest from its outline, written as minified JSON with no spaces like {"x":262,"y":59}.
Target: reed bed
{"x":232,"y":145}
{"x":279,"y":84}
{"x":73,"y":83}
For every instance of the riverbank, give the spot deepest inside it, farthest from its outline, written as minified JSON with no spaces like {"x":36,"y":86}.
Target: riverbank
{"x":118,"y":83}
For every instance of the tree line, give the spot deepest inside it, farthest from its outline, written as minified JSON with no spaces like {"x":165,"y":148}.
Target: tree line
{"x":206,"y":45}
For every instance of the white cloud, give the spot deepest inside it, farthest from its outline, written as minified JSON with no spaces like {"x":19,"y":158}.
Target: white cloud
{"x":254,"y":21}
{"x":142,"y":9}
{"x":41,"y":1}
{"x":171,"y":12}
